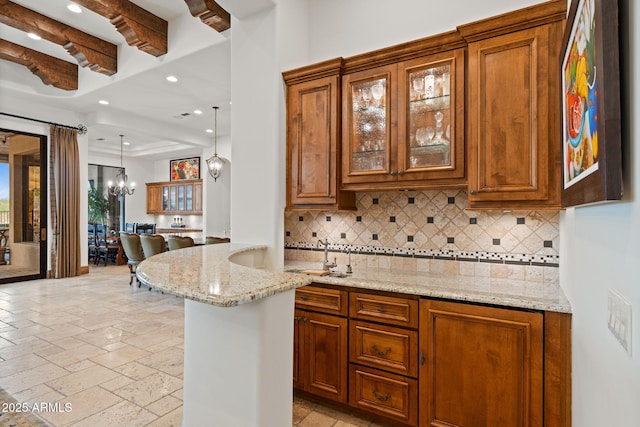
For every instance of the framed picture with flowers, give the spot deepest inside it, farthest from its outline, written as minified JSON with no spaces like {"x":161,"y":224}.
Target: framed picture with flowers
{"x":180,"y":169}
{"x":591,"y":125}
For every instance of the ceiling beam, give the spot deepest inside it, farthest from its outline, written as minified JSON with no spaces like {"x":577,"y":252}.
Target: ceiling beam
{"x":96,"y":54}
{"x":211,"y":13}
{"x":139,"y":27}
{"x":52,"y":71}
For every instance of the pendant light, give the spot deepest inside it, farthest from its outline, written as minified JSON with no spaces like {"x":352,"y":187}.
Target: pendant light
{"x":215,"y":163}
{"x":121,"y":187}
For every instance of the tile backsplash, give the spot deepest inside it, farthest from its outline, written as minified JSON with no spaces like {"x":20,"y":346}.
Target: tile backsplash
{"x":429,"y":224}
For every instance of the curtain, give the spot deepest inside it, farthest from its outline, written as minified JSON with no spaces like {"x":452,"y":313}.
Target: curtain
{"x":65,"y":202}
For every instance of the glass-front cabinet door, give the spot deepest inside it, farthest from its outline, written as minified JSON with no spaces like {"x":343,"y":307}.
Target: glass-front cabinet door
{"x":431,"y":117}
{"x":368,"y":136}
{"x":403,"y":124}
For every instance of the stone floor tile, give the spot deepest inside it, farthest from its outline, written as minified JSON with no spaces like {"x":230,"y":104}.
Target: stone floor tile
{"x":82,"y":380}
{"x":172,"y":419}
{"x":120,"y":356}
{"x":149,"y":389}
{"x":82,"y":405}
{"x":32,"y":377}
{"x":317,"y":419}
{"x":135,"y":370}
{"x":122,"y":414}
{"x":170,"y":361}
{"x":164,"y":406}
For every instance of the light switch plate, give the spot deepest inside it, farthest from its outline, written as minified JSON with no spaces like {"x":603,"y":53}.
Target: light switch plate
{"x":619,"y":319}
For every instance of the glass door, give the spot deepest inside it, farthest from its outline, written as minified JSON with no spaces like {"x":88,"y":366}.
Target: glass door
{"x":23,"y":213}
{"x":368,"y":142}
{"x":431,"y":117}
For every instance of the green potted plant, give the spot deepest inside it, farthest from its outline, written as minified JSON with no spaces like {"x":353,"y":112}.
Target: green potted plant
{"x":98,"y":206}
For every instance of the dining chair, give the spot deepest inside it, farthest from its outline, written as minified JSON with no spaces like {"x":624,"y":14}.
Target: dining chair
{"x":152,"y":244}
{"x":130,"y":227}
{"x":91,"y":240}
{"x":107,"y":250}
{"x":179,"y":242}
{"x":133,"y":250}
{"x":211,"y":240}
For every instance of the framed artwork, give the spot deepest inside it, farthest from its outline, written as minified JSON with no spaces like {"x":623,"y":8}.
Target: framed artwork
{"x":180,"y":169}
{"x":591,"y":127}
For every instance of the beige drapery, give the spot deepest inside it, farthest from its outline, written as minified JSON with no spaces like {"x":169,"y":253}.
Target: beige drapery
{"x":65,"y":202}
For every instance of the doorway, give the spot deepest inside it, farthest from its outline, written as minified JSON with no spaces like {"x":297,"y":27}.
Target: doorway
{"x":23,"y":206}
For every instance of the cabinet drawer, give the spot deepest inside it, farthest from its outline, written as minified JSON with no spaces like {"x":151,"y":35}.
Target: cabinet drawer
{"x":384,"y":347}
{"x":389,"y":395}
{"x":325,"y":300}
{"x":382,"y":308}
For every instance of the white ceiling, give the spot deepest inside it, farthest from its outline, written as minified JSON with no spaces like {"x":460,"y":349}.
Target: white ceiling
{"x":143,"y":106}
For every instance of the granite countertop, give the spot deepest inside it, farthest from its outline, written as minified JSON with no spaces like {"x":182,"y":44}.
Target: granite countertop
{"x":214,"y":274}
{"x":162,"y":230}
{"x":486,"y":290}
{"x":206,"y":274}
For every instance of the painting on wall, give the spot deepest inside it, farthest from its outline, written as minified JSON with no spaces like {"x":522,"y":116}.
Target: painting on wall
{"x":591,"y":131}
{"x":185,"y":169}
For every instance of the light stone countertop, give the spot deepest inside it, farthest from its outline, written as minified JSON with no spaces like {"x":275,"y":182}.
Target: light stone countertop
{"x":504,"y":292}
{"x":214,"y":274}
{"x":206,"y":274}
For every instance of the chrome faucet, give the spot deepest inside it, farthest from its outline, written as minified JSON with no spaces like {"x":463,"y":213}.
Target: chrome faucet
{"x":349,"y":269}
{"x":326,"y":265}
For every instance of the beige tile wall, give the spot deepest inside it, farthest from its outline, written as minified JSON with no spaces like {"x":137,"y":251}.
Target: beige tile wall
{"x":429,"y":224}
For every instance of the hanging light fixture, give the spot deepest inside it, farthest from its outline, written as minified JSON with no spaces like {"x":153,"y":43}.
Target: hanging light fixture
{"x":215,"y":163}
{"x":121,"y":187}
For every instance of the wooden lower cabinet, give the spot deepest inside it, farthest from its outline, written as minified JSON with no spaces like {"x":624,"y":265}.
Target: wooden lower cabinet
{"x":320,"y":355}
{"x":392,"y":396}
{"x":415,"y":361}
{"x":484,"y":366}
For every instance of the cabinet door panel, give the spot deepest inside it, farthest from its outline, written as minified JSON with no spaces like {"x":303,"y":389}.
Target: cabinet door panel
{"x":483,"y":366}
{"x":327,"y":356}
{"x":313,"y":141}
{"x":369,"y":126}
{"x":431,"y":117}
{"x":513,"y":117}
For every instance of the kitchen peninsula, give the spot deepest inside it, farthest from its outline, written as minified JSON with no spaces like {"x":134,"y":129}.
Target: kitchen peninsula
{"x":233,"y":374}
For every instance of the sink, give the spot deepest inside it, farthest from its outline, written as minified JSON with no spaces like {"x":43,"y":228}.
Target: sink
{"x":337,"y":274}
{"x":332,"y":274}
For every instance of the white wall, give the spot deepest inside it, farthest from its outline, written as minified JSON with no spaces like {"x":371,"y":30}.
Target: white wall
{"x":600,"y":250}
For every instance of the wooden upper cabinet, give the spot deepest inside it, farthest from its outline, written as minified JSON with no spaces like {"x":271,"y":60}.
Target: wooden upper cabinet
{"x":176,"y":197}
{"x":484,"y":366}
{"x":513,"y":126}
{"x":313,"y":156}
{"x":403,"y":124}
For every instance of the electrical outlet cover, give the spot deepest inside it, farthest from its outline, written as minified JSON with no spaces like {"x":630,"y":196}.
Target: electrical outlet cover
{"x":619,"y":319}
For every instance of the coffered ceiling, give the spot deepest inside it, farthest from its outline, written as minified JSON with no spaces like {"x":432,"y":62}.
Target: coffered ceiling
{"x":121,"y":52}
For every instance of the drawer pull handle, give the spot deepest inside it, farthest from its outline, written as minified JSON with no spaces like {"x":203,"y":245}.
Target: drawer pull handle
{"x":381,"y":309}
{"x":304,"y":297}
{"x":380,"y":352}
{"x":380,"y":397}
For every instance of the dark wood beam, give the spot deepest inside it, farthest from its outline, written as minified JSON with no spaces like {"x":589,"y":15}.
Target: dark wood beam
{"x":211,"y":13}
{"x":139,"y":27}
{"x":52,"y":71}
{"x":96,"y":54}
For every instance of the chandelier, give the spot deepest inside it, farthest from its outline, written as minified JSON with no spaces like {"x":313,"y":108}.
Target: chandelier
{"x":215,"y":163}
{"x":121,"y":187}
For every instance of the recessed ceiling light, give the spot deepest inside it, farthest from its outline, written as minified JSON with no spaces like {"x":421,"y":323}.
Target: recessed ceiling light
{"x":103,"y":102}
{"x":209,"y":130}
{"x":126,"y":143}
{"x":172,"y":79}
{"x":74,"y":8}
{"x":197,"y":111}
{"x":34,"y":36}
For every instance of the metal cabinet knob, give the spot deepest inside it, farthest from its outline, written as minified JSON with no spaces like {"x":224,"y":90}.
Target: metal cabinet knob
{"x":472,"y":192}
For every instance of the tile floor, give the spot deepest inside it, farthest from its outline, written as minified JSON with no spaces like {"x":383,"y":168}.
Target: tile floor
{"x":112,"y":353}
